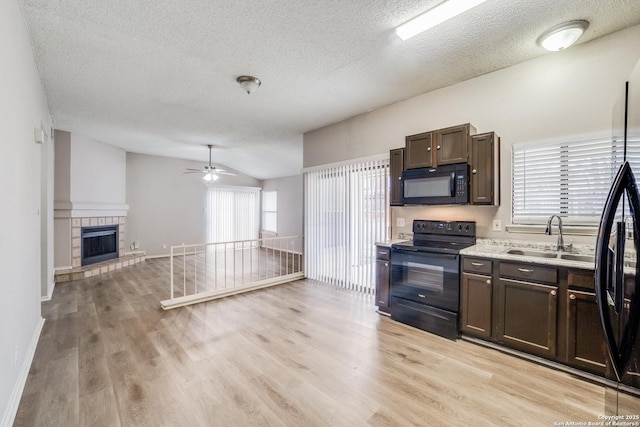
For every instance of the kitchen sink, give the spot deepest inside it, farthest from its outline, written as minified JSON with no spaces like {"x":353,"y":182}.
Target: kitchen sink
{"x":537,"y":254}
{"x":577,"y":257}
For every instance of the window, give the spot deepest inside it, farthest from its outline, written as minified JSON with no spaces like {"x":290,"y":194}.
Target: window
{"x":270,"y":211}
{"x":234,"y":213}
{"x":571,"y":179}
{"x":346,"y":212}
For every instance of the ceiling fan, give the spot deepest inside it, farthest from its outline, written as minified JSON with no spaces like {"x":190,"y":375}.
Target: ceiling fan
{"x":211,"y":173}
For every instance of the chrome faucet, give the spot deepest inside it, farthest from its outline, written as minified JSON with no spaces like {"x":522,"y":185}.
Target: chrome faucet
{"x":561,"y":246}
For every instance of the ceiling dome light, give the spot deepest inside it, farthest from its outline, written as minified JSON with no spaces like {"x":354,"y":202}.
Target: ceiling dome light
{"x":562,"y":36}
{"x":249,"y":83}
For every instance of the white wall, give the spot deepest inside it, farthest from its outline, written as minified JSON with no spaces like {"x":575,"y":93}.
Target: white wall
{"x":98,"y":171}
{"x":290,"y":204}
{"x":557,"y":95}
{"x":166,"y":206}
{"x":23,"y":107}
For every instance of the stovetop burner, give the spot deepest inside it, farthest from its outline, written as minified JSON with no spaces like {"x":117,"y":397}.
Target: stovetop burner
{"x":440,"y":236}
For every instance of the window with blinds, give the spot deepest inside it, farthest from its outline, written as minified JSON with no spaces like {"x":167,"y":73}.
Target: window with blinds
{"x":234,"y":213}
{"x":346,"y":212}
{"x":570,"y":179}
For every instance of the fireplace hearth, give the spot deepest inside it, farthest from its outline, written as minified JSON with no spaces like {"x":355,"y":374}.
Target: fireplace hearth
{"x":99,"y":243}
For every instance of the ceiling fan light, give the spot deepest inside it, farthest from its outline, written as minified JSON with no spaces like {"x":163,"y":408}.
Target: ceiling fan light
{"x":208,"y":177}
{"x":562,"y":36}
{"x":249,"y":83}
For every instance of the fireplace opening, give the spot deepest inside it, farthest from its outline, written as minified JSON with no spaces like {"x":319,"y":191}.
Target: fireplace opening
{"x":99,"y":244}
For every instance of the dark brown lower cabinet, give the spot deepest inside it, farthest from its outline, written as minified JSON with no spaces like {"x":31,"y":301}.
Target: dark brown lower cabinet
{"x":476,"y":304}
{"x":383,"y":278}
{"x":585,"y":341}
{"x":527,"y":316}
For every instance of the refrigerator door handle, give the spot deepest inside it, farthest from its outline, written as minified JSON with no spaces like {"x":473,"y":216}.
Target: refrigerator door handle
{"x":619,"y":354}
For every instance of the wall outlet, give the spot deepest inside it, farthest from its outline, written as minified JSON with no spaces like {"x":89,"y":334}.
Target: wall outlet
{"x":497,"y":225}
{"x":400,"y":222}
{"x":164,"y":246}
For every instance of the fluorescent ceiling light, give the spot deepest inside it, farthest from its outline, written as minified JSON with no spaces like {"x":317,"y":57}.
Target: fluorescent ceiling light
{"x":431,"y":18}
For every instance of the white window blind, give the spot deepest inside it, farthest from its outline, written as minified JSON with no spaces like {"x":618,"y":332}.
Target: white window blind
{"x":346,"y":212}
{"x":234,"y":213}
{"x":270,"y":211}
{"x":570,"y":179}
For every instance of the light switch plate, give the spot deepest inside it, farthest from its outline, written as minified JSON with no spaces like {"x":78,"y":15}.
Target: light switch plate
{"x":497,"y":225}
{"x":400,"y":222}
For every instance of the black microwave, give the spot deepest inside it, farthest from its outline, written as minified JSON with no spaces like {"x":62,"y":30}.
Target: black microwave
{"x":443,"y":185}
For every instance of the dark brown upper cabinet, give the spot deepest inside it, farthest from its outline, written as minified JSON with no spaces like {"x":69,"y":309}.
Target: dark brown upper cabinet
{"x":396,"y":166}
{"x":419,"y":151}
{"x":439,"y":147}
{"x":451,"y":144}
{"x":485,"y":169}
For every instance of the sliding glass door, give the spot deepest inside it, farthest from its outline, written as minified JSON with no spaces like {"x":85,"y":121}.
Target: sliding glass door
{"x":234,"y":213}
{"x":346,"y":212}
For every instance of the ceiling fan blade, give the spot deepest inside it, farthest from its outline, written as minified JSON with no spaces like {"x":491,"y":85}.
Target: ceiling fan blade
{"x":221,"y":172}
{"x":193,"y":170}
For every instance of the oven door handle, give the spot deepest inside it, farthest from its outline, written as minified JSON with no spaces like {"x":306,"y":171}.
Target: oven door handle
{"x":406,"y":249}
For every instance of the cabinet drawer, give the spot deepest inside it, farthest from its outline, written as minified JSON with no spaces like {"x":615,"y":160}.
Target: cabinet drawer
{"x":477,"y":265}
{"x":581,"y":279}
{"x":383,"y":253}
{"x":529,"y":272}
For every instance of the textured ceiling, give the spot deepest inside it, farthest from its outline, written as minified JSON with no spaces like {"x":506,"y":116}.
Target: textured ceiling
{"x":158,"y":76}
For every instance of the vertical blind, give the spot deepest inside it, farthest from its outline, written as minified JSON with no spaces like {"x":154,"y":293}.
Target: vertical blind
{"x":570,"y":179}
{"x":234,"y":213}
{"x":346,"y":212}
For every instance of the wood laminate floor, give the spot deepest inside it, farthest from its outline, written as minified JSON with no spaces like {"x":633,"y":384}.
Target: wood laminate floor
{"x":300,"y":354}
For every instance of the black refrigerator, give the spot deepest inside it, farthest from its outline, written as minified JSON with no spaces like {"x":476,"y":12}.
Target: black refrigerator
{"x":617,"y":274}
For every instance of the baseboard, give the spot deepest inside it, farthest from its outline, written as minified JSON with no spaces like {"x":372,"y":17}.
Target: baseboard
{"x":21,"y":381}
{"x":49,"y":294}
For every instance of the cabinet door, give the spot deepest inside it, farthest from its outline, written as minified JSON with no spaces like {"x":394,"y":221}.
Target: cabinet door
{"x":452,"y":144}
{"x":382,"y":285}
{"x":586,"y":347}
{"x":527,"y":316}
{"x":476,"y":307}
{"x":483,"y":169}
{"x":396,"y":166}
{"x":418,"y":151}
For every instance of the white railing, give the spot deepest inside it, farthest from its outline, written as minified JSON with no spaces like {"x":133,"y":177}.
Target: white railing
{"x":206,"y":271}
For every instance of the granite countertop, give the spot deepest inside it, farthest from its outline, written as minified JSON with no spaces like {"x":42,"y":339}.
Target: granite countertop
{"x":498,"y":249}
{"x":388,"y":243}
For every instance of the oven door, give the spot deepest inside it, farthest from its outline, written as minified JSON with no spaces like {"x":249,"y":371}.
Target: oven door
{"x":426,"y":278}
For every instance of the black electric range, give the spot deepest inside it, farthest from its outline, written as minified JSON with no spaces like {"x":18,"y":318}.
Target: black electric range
{"x":425,"y":275}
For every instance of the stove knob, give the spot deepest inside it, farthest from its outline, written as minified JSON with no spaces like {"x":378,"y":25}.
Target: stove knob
{"x":467,"y":228}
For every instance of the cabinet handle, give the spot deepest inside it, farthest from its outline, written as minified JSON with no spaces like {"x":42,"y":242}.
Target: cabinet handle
{"x":474,"y":171}
{"x":421,"y":296}
{"x":488,"y":281}
{"x":428,"y":148}
{"x":477,"y":264}
{"x":553,"y":293}
{"x":381,"y":302}
{"x":386,"y":264}
{"x":438,"y":147}
{"x":572,"y":296}
{"x":399,"y":178}
{"x":525,"y":270}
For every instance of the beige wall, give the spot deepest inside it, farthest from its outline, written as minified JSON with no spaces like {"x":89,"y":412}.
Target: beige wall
{"x":558,"y":95}
{"x":23,"y":107}
{"x":166,"y":206}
